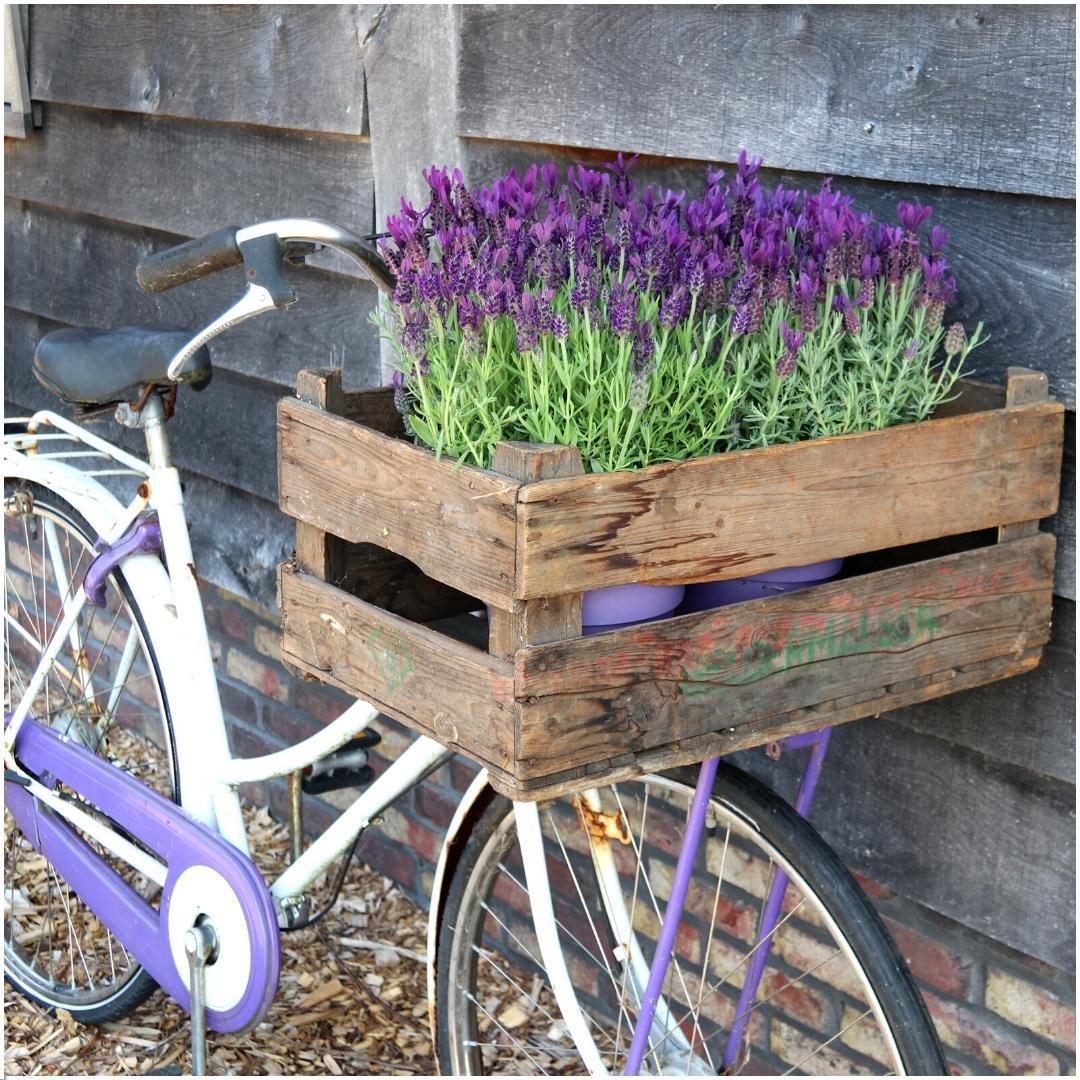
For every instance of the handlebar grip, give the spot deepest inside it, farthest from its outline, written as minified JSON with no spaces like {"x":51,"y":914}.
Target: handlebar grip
{"x":187,"y":262}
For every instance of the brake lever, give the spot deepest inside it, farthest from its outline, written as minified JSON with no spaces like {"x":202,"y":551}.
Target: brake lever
{"x":255,"y":301}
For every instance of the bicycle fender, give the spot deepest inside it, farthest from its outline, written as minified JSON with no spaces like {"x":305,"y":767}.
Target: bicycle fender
{"x":206,"y":875}
{"x":478,"y":792}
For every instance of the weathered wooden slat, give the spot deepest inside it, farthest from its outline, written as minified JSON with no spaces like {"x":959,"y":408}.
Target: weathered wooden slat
{"x":282,"y":65}
{"x":641,"y":687}
{"x":690,"y":751}
{"x":80,"y":270}
{"x":723,"y":516}
{"x":452,"y":692}
{"x":457,"y":524}
{"x":1014,"y":256}
{"x":202,"y":177}
{"x":377,"y":576}
{"x":888,"y":93}
{"x":533,"y":622}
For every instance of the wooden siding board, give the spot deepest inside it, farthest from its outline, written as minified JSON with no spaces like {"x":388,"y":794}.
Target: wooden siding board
{"x":1014,"y":256}
{"x":226,"y":432}
{"x":79,"y":270}
{"x":883,"y":92}
{"x":189,"y":177}
{"x":1029,"y":721}
{"x":987,"y":844}
{"x":280,"y":65}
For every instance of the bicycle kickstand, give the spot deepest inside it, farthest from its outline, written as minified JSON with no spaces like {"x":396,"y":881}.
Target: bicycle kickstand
{"x":200,"y":944}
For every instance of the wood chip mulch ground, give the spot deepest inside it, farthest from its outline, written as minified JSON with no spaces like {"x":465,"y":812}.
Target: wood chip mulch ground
{"x":352,"y":999}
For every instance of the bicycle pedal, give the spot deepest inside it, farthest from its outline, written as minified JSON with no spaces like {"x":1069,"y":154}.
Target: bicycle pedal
{"x":337,"y":779}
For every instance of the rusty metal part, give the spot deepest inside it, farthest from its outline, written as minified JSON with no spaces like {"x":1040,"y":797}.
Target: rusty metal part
{"x":296,"y":816}
{"x":773,"y":751}
{"x":601,"y":827}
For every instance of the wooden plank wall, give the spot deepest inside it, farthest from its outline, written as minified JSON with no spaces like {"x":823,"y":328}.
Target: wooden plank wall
{"x":162,"y":123}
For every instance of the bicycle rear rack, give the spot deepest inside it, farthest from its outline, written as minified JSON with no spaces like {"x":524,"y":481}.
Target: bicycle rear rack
{"x":27,"y":438}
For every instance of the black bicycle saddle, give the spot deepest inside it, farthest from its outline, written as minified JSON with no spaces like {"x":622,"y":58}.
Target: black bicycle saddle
{"x":98,"y":367}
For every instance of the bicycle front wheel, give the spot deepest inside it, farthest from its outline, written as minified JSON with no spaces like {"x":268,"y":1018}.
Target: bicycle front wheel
{"x":105,"y":692}
{"x":834,"y":995}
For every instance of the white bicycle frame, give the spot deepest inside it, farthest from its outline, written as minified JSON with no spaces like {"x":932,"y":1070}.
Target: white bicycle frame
{"x":167,"y":597}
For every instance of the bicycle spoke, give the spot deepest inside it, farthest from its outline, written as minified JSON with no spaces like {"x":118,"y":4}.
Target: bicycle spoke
{"x":828,"y":1041}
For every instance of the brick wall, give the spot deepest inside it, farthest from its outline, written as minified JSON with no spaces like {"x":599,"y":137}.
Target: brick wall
{"x":996,"y":1010}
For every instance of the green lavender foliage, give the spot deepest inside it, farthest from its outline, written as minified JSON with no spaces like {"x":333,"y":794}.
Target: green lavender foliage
{"x":708,"y":391}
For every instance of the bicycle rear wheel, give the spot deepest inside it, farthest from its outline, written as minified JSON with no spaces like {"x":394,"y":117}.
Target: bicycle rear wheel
{"x":834,"y":997}
{"x":105,"y":692}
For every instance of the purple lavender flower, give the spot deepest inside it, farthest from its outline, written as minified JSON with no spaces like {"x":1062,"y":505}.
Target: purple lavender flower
{"x":912,"y":216}
{"x":806,"y":300}
{"x":954,"y":339}
{"x":644,"y":346}
{"x":560,"y":328}
{"x":785,"y":365}
{"x":674,"y":307}
{"x":740,"y":321}
{"x":842,"y":303}
{"x":622,"y":306}
{"x":912,"y":350}
{"x":938,"y":239}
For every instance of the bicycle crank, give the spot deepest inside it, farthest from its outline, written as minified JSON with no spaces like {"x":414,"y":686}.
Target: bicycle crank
{"x":204,"y":880}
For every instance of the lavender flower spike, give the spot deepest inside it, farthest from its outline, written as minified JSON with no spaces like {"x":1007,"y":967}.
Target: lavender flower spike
{"x":954,"y":339}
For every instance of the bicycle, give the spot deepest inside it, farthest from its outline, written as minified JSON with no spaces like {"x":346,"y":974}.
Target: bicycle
{"x":663,"y":923}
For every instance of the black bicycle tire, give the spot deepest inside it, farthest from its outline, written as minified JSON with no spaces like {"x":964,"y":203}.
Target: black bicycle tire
{"x":820,"y":867}
{"x":141,"y":984}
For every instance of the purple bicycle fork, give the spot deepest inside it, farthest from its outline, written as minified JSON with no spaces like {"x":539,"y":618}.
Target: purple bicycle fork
{"x":818,"y":742}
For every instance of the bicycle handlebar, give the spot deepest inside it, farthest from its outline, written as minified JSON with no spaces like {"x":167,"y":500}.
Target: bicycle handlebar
{"x":208,"y":254}
{"x":187,"y":262}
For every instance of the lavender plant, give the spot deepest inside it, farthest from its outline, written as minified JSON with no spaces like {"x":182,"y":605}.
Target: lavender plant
{"x":641,"y":327}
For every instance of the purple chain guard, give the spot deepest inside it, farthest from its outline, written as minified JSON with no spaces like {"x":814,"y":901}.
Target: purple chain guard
{"x":174,"y":836}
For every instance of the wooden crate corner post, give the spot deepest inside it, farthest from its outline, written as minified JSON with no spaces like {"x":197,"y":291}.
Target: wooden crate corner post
{"x":319,"y":553}
{"x":545,"y":619}
{"x":1024,"y":387}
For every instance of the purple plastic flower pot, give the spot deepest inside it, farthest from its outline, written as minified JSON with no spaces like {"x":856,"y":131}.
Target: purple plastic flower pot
{"x":711,"y":594}
{"x":621,"y":605}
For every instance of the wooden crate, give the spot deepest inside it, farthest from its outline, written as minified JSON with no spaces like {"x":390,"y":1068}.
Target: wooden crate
{"x":947,"y":584}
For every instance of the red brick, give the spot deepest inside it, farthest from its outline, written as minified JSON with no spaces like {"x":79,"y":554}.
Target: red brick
{"x":292,"y":725}
{"x":389,"y":860}
{"x":435,"y":805}
{"x":322,"y":703}
{"x":931,"y":962}
{"x":248,"y":744}
{"x":964,"y":1029}
{"x":269,"y":681}
{"x":798,"y":1001}
{"x":222,"y":620}
{"x":424,"y":841}
{"x":236,"y":704}
{"x":874,"y":889}
{"x":463,"y":772}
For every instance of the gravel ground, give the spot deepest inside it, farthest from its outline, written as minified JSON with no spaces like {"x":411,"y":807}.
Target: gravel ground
{"x":352,"y":1000}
